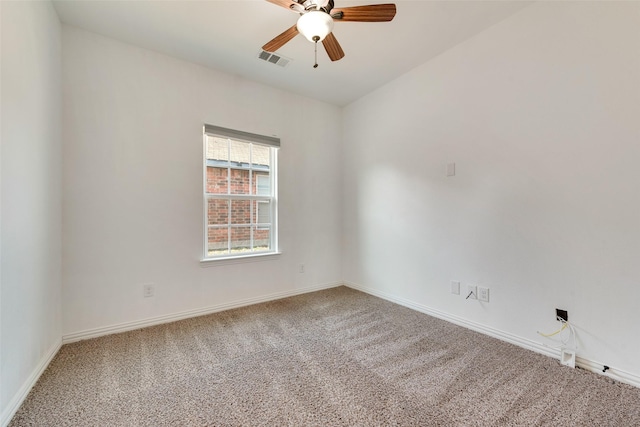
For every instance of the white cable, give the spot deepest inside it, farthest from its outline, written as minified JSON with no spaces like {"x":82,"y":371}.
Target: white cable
{"x":563,"y":341}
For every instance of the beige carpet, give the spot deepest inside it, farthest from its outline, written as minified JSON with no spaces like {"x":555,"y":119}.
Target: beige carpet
{"x":331,"y":358}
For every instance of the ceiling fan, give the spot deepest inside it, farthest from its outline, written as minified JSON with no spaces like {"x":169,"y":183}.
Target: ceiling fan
{"x":316,"y":22}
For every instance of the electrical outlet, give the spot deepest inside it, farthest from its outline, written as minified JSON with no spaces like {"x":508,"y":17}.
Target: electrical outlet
{"x":472,"y":292}
{"x":483,"y":294}
{"x":562,"y":314}
{"x":148,"y":290}
{"x":455,"y":287}
{"x":301,"y":268}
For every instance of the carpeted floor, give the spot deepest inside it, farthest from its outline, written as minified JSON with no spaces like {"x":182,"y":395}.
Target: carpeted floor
{"x":331,"y":358}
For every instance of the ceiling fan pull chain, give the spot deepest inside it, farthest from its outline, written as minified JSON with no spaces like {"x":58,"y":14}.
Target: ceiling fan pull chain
{"x":315,"y":39}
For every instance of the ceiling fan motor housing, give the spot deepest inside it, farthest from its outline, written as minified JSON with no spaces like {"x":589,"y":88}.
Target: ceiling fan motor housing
{"x":325,"y":5}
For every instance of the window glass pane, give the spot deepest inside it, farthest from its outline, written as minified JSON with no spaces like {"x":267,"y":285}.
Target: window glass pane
{"x":217,"y":180}
{"x":217,"y":212}
{"x":263,"y":184}
{"x":217,"y":152}
{"x":262,"y":211}
{"x":260,"y":156}
{"x":240,"y":156}
{"x":218,"y":149}
{"x":240,"y":239}
{"x":239,"y":181}
{"x":217,"y":241}
{"x":240,"y":212}
{"x":261,"y":238}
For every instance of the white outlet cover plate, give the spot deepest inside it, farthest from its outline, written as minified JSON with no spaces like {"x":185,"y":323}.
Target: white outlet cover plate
{"x":455,"y":287}
{"x":148,"y":290}
{"x":483,"y":294}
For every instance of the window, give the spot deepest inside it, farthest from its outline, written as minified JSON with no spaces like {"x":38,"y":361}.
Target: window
{"x":240,"y":193}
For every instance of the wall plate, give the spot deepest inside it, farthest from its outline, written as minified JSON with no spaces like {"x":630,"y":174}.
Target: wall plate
{"x":483,"y":294}
{"x":455,"y":287}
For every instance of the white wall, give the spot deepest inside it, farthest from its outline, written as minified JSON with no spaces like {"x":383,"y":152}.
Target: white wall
{"x":541,"y":114}
{"x":132,"y":179}
{"x":30,"y":171}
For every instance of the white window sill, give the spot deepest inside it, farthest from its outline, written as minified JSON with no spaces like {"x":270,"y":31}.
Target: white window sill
{"x":240,"y":259}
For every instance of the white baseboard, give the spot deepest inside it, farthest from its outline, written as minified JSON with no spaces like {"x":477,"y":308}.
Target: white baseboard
{"x":19,"y":397}
{"x":613,"y":373}
{"x":152,"y":321}
{"x":589,"y":365}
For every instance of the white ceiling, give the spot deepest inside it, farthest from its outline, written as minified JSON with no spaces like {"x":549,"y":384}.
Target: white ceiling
{"x":228,"y":34}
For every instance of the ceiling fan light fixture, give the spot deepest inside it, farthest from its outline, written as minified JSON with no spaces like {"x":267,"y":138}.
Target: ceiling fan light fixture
{"x":315,"y":25}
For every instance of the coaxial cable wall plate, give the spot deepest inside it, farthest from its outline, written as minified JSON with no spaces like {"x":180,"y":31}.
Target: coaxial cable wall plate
{"x":568,"y":357}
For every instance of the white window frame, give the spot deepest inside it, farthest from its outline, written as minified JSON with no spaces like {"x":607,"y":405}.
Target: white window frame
{"x":244,"y":137}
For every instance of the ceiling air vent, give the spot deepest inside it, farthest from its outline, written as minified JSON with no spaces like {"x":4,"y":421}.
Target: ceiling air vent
{"x":274,"y":59}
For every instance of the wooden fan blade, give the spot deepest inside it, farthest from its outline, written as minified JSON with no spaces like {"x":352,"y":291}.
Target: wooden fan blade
{"x":370,"y":13}
{"x":332,"y":47}
{"x":284,"y":3}
{"x":280,"y":40}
